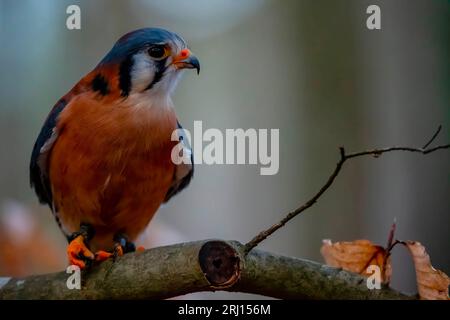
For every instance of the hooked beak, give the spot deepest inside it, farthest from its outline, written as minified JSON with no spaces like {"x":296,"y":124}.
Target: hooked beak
{"x":186,"y":60}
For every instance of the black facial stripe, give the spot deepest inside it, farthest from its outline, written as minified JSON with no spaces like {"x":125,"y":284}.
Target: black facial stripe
{"x":160,"y":68}
{"x":156,"y":79}
{"x":125,"y":76}
{"x":100,"y":84}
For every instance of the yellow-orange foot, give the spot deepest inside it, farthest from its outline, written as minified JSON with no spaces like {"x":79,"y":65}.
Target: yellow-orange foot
{"x":78,"y":252}
{"x":102,"y":255}
{"x":118,"y":251}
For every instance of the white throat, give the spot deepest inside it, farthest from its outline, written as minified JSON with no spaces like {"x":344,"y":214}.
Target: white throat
{"x":142,"y":75}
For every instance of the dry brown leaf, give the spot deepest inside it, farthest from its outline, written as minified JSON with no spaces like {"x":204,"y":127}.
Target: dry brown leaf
{"x":356,"y":256}
{"x":432,"y":284}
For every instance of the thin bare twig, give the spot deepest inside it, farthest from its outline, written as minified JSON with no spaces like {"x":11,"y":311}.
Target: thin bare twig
{"x":391,"y":235}
{"x":433,"y":137}
{"x":344,"y":157}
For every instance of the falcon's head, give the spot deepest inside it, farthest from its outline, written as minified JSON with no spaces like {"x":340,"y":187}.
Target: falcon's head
{"x":147,"y":61}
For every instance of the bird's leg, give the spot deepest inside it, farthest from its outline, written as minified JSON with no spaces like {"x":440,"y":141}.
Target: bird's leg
{"x":122,"y":245}
{"x":78,"y":250}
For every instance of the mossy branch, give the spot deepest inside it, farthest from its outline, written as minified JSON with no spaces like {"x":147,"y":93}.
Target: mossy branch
{"x":208,"y":265}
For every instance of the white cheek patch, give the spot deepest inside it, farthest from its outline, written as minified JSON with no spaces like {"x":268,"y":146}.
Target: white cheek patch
{"x":142,"y":75}
{"x":142,"y":72}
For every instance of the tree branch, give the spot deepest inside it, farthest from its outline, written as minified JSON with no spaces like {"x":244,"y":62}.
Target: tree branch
{"x":344,"y":157}
{"x":179,"y":269}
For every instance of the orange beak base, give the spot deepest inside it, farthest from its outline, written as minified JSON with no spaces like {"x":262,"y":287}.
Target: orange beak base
{"x":186,"y":60}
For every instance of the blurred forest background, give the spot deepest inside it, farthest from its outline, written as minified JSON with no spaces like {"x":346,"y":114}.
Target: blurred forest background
{"x":310,"y":68}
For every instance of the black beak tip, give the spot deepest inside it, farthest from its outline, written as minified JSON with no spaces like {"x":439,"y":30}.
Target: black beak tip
{"x":196,"y":64}
{"x":191,"y":63}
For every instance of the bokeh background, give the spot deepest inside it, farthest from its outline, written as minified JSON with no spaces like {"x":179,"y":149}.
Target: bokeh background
{"x":310,"y":68}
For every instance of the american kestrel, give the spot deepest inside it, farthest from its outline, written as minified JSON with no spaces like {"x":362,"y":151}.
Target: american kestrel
{"x":102,"y":160}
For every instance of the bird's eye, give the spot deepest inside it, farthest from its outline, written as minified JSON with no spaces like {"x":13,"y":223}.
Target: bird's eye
{"x":157,"y":52}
